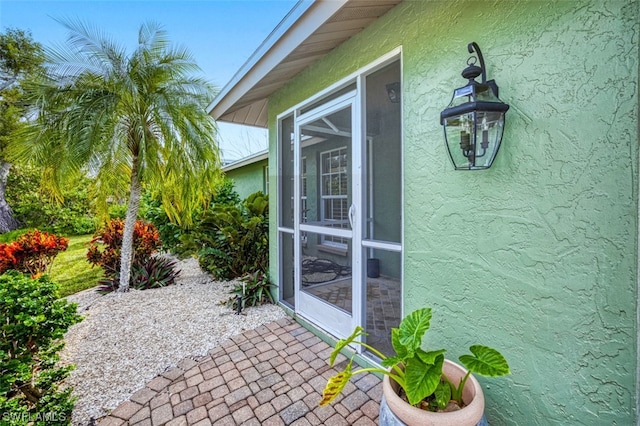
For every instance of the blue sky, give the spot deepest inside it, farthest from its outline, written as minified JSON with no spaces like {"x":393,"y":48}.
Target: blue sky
{"x":221,"y":34}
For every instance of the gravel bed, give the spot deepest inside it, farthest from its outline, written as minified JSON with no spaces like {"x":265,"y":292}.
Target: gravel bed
{"x":127,"y":339}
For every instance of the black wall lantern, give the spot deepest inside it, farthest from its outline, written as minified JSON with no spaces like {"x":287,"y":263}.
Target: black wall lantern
{"x":393,"y":91}
{"x":474,"y":120}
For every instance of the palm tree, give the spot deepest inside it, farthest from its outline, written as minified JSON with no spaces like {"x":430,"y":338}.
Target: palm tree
{"x":126,"y":120}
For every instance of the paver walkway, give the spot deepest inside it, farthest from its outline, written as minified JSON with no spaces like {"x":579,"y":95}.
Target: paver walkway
{"x":273,"y":375}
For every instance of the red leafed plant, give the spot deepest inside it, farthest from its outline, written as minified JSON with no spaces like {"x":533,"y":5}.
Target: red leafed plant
{"x":32,"y":253}
{"x":107,"y":243}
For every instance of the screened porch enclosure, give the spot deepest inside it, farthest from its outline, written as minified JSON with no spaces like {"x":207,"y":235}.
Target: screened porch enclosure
{"x":340,"y":201}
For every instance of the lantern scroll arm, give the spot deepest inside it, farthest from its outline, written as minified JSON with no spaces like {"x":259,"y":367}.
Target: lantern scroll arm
{"x":474,"y":48}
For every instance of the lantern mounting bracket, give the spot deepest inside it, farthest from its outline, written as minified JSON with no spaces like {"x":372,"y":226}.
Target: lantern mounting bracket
{"x":472,"y":71}
{"x":473,"y":47}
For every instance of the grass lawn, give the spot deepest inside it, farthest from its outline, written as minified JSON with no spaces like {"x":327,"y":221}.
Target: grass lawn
{"x":71,"y":270}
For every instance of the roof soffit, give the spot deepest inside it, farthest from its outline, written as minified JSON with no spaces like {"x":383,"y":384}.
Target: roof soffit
{"x":323,"y":26}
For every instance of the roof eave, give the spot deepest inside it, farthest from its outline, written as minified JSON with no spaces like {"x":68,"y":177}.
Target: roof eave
{"x":254,"y":158}
{"x":297,"y":26}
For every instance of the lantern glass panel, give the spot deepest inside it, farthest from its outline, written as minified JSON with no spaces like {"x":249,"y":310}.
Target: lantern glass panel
{"x":460,"y":136}
{"x":484,"y":93}
{"x":462,"y":96}
{"x":488,"y":133}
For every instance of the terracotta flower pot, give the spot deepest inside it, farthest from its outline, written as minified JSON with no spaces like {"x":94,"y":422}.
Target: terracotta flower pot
{"x":470,"y":415}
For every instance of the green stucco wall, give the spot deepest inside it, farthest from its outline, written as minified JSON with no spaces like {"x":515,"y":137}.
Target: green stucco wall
{"x":248,"y":179}
{"x":538,"y":255}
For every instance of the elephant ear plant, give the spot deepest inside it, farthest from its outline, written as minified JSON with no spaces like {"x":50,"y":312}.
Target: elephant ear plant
{"x":418,"y":372}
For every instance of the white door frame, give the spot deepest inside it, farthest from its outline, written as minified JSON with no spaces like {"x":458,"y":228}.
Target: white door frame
{"x":334,"y":320}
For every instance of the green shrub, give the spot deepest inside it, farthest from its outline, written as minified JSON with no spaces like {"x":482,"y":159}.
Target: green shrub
{"x":234,"y":239}
{"x":151,"y":210}
{"x":80,"y":225}
{"x":34,"y":209}
{"x":11,"y":236}
{"x":225,"y":195}
{"x":175,"y":238}
{"x":255,"y":290}
{"x":34,"y":321}
{"x":118,"y":211}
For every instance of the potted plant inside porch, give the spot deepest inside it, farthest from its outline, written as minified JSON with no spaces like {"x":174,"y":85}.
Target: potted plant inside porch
{"x":422,"y":387}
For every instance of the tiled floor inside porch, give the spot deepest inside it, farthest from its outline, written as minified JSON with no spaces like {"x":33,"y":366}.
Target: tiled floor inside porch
{"x":273,"y":375}
{"x":382,"y":309}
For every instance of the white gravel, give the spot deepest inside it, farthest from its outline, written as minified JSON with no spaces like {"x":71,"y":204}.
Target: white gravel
{"x":127,"y":339}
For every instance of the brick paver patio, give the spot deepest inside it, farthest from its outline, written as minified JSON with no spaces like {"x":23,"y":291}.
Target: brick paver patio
{"x":273,"y":375}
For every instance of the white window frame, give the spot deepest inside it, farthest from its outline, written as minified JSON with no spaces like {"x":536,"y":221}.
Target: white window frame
{"x":265,"y":172}
{"x":323,"y":196}
{"x":303,"y":197}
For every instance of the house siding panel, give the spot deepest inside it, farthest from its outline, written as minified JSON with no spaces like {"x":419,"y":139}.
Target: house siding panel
{"x":248,"y":179}
{"x":538,"y":255}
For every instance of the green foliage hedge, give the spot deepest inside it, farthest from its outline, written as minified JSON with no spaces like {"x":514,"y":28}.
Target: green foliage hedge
{"x":11,"y":236}
{"x":175,"y":238}
{"x":34,"y":209}
{"x":233,"y":240}
{"x":34,"y":320}
{"x":151,"y":211}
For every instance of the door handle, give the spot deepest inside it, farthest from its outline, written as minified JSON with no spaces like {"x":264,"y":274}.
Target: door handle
{"x":352,"y":215}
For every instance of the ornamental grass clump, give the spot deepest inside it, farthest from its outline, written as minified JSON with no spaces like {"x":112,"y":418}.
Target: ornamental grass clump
{"x":418,"y":372}
{"x":34,"y":320}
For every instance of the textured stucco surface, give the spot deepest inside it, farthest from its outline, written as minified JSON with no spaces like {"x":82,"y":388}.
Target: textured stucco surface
{"x":538,"y":255}
{"x":248,"y":179}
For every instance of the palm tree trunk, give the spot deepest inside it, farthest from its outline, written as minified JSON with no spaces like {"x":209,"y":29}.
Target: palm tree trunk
{"x":7,"y":221}
{"x":126,"y":253}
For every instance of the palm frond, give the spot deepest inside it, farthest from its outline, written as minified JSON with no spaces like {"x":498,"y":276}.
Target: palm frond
{"x":91,"y":42}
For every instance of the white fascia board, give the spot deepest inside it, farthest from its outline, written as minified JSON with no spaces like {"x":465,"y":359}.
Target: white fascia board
{"x":293,"y":30}
{"x":254,"y":158}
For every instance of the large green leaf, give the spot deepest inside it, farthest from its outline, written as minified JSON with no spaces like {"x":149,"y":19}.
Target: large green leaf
{"x":335,"y":385}
{"x":343,"y":343}
{"x":401,"y":350}
{"x":421,"y":380}
{"x":413,"y":327}
{"x":486,"y":362}
{"x":443,"y":394}
{"x":429,"y":357}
